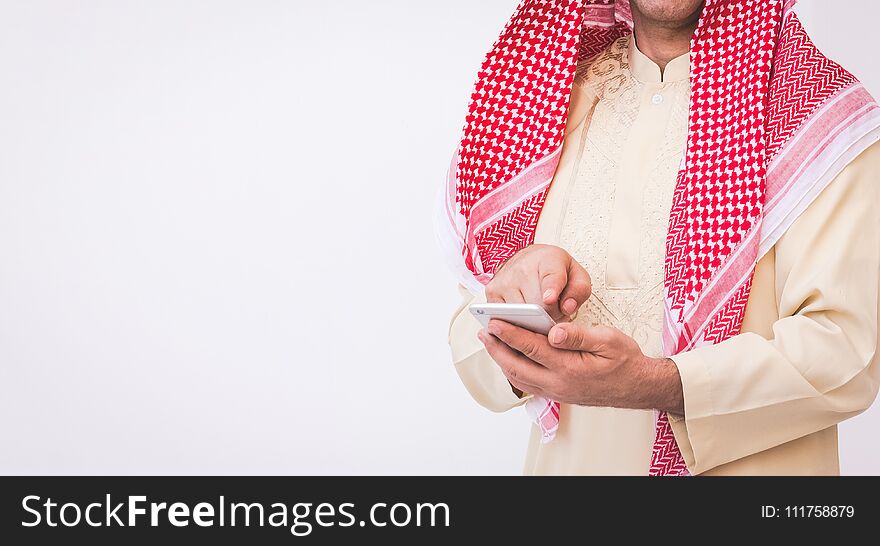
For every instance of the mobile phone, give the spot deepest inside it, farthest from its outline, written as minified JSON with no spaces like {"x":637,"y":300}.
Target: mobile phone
{"x":525,"y":315}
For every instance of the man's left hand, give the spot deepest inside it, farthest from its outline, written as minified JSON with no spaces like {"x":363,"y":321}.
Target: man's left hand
{"x":587,"y":366}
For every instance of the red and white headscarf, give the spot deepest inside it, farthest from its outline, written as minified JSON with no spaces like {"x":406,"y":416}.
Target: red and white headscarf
{"x":772,"y":122}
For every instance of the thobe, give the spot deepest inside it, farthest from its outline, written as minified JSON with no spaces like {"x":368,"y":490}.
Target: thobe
{"x":767,"y":401}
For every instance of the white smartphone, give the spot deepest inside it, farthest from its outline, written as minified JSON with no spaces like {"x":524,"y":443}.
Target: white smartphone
{"x":525,"y":315}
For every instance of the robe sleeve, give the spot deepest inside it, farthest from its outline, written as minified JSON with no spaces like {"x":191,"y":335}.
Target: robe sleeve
{"x":481,"y":376}
{"x":479,"y":373}
{"x":818,"y":368}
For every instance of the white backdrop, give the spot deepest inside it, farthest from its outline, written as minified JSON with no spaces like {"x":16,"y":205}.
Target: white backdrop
{"x":216,"y":251}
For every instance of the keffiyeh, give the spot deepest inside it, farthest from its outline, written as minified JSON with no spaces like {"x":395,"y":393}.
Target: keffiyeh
{"x":772,"y":121}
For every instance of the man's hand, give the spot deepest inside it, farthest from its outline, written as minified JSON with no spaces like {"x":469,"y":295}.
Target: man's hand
{"x":543,"y":275}
{"x":598,"y":366}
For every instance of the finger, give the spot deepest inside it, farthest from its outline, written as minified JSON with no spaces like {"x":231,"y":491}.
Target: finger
{"x":493,"y":295}
{"x":520,"y":384}
{"x":516,"y":367}
{"x":575,"y":337}
{"x":553,"y":280}
{"x":502,"y":295}
{"x":531,"y":290}
{"x":527,"y":389}
{"x":534,"y":347}
{"x":507,"y":291}
{"x":577,"y":290}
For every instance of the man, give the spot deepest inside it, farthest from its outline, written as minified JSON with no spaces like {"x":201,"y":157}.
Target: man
{"x":694,"y":185}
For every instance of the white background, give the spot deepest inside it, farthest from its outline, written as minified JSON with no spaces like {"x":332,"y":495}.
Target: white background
{"x":216,"y":251}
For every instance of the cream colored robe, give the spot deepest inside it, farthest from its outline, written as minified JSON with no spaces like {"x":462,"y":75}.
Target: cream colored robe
{"x":764,"y":402}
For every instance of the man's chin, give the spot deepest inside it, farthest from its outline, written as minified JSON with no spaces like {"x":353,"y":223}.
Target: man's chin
{"x":670,"y":13}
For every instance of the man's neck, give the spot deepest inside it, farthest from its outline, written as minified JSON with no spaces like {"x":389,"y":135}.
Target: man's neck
{"x":661,"y":41}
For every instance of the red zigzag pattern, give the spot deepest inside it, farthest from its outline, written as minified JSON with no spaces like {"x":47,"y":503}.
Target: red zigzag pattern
{"x":755,"y":81}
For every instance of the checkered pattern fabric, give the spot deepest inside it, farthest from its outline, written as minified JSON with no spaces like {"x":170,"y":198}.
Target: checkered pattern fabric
{"x":757,"y":84}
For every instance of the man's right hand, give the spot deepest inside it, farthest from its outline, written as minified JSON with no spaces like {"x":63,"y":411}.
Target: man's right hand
{"x":544,"y":275}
